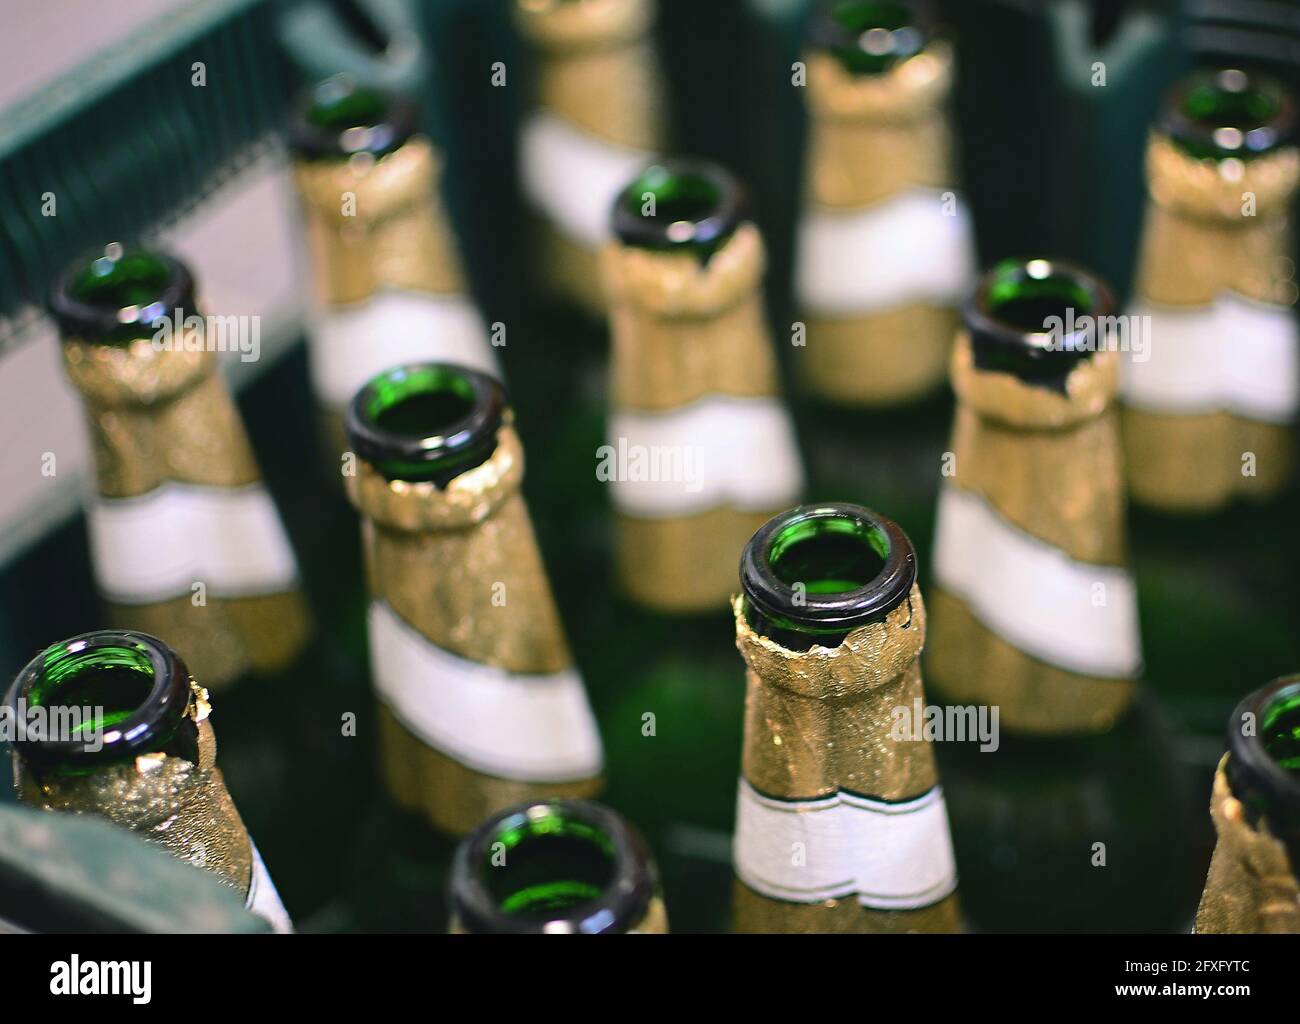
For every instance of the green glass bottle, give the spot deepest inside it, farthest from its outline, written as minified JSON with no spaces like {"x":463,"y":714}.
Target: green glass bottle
{"x":555,"y":867}
{"x":480,"y":705}
{"x":840,"y":820}
{"x":185,"y":540}
{"x":1254,"y":882}
{"x":118,"y":728}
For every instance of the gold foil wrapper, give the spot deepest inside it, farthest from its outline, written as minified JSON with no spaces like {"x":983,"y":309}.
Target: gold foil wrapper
{"x":597,"y":67}
{"x":378,"y":224}
{"x":569,"y":268}
{"x":820,"y":720}
{"x":183,"y":807}
{"x":157,"y":416}
{"x":443,"y":560}
{"x":1050,"y":465}
{"x":1197,"y":245}
{"x":872,"y":137}
{"x":1251,"y":886}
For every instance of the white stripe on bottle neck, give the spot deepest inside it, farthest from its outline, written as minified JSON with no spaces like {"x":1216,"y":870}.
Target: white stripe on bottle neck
{"x":351,"y":344}
{"x":531,"y":727}
{"x":1235,"y":355}
{"x":263,"y":898}
{"x":891,"y":856}
{"x":158,"y":545}
{"x":1077,"y":615}
{"x":574,"y":177}
{"x":902,"y":250}
{"x":720,"y":450}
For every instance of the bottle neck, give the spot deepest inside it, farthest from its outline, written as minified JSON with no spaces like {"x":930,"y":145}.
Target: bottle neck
{"x":1229,"y":114}
{"x":1263,"y":766}
{"x":680,"y":206}
{"x":121,"y":295}
{"x":1037,"y":320}
{"x":427,"y":422}
{"x":814,"y":574}
{"x":557,"y":867}
{"x":872,"y":37}
{"x":99,"y":699}
{"x":340,"y":120}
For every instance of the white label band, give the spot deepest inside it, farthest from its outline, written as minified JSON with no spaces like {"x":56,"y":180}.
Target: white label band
{"x":717,"y":451}
{"x":1234,"y":355}
{"x":1080,"y":616}
{"x":574,"y":178}
{"x":157,"y":546}
{"x":892,"y":856}
{"x":351,"y":344}
{"x":902,"y":250}
{"x":537,"y":728}
{"x":263,"y":899}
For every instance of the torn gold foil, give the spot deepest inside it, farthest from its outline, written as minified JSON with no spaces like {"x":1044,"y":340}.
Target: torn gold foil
{"x":166,"y":415}
{"x":1050,"y":465}
{"x":377,"y":224}
{"x":183,"y":807}
{"x":1251,"y":886}
{"x":1197,"y":245}
{"x":819,"y":721}
{"x":870,"y":138}
{"x":683,"y":332}
{"x":440,"y":558}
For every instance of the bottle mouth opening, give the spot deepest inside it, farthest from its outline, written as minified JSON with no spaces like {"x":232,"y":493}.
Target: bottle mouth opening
{"x":871,"y":36}
{"x":1264,"y":748}
{"x":338,"y":119}
{"x":558,"y":866}
{"x":120,"y":294}
{"x":824,"y":570}
{"x":426,"y":421}
{"x":1222,"y":114}
{"x":105,"y":696}
{"x":684,"y":205}
{"x":1037,"y":318}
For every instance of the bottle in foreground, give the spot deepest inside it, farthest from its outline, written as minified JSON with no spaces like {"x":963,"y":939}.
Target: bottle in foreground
{"x":389,"y":287}
{"x":555,"y":867}
{"x":885,"y":253}
{"x":1210,"y":397}
{"x":185,"y":540}
{"x":598,"y":119}
{"x":126,"y":735}
{"x":840,"y":824}
{"x":1253,"y":882}
{"x":701,"y":448}
{"x":480,"y":705}
{"x":1033,"y":607}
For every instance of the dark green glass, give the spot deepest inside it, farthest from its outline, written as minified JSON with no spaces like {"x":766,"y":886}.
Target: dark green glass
{"x":131,"y":689}
{"x":680,"y":206}
{"x":816,"y":573}
{"x":338,"y":119}
{"x":1229,"y":113}
{"x":871,"y":36}
{"x":427,"y":421}
{"x":120,"y":294}
{"x":1263,"y":765}
{"x":561,"y":866}
{"x":1009,"y":319}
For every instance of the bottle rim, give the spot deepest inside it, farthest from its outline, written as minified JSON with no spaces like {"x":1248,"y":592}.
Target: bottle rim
{"x":155,"y":719}
{"x":433,"y":454}
{"x":873,"y":49}
{"x":999,"y":341}
{"x":840,"y":612}
{"x":389,"y":131}
{"x":1217,"y":139}
{"x":716,"y":220}
{"x":1253,"y":773}
{"x":93,"y":321}
{"x":624,"y":898}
